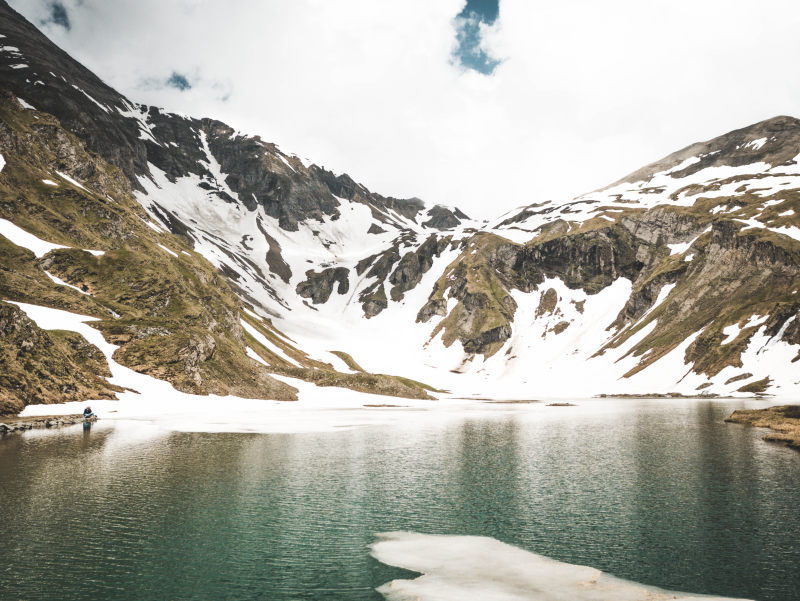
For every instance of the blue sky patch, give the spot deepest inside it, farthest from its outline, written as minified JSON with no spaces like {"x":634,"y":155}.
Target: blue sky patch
{"x":58,"y":15}
{"x":178,"y":81}
{"x":469,"y":53}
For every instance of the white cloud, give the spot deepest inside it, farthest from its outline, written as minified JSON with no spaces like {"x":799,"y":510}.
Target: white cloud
{"x":585,"y":93}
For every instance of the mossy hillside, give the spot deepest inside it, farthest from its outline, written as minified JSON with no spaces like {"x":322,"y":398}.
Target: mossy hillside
{"x":757,"y":387}
{"x":271,"y":333}
{"x":40,"y":366}
{"x":382,"y":384}
{"x":482,"y":317}
{"x":23,"y":280}
{"x":178,"y":318}
{"x":733,"y":276}
{"x":349,"y":361}
{"x":784,"y":420}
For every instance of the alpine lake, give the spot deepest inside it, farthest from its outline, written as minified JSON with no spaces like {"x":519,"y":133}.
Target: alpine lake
{"x":659,"y":492}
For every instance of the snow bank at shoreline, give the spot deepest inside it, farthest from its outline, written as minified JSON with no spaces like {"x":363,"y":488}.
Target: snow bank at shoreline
{"x":156,"y":401}
{"x":318,"y":409}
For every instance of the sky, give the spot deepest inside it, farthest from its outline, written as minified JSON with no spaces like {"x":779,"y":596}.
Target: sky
{"x":480,"y":104}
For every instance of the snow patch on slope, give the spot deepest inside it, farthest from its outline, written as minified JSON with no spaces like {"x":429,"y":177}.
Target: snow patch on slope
{"x":22,"y":238}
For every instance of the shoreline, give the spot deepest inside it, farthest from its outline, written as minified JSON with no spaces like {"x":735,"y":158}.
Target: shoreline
{"x":16,"y":423}
{"x":783,"y":420}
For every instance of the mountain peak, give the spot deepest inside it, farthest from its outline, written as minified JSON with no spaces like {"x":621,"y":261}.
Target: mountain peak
{"x":774,"y":141}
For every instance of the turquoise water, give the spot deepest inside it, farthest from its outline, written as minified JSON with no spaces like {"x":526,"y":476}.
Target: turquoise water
{"x":659,"y":492}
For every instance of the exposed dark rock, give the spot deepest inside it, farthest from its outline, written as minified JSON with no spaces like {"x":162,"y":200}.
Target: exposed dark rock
{"x":274,"y":258}
{"x":547,"y":302}
{"x":318,"y":286}
{"x":443,"y":218}
{"x":487,"y":338}
{"x":373,"y":300}
{"x":415,"y":264}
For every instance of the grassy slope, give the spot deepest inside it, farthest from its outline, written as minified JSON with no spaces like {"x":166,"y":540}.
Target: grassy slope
{"x":178,"y":320}
{"x":734,"y":275}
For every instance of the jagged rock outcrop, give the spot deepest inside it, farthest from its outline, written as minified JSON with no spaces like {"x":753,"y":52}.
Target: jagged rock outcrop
{"x":318,"y":286}
{"x":415,"y":264}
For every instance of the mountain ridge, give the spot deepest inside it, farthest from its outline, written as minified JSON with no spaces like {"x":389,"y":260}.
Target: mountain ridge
{"x":688,"y":266}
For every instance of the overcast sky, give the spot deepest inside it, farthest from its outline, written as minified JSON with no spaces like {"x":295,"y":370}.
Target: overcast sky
{"x":457,"y":104}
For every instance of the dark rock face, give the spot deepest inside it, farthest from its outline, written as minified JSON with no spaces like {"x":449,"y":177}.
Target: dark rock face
{"x":132,"y":136}
{"x":486,"y":338}
{"x":414,"y":265}
{"x":443,"y":218}
{"x":373,"y":300}
{"x":590,"y":261}
{"x":318,"y":286}
{"x":547,"y":302}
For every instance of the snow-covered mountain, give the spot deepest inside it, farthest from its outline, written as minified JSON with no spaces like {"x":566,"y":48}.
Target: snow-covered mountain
{"x":682,"y":277}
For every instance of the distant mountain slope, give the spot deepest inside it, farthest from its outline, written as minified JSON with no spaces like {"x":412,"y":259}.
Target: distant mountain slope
{"x":683,"y":276}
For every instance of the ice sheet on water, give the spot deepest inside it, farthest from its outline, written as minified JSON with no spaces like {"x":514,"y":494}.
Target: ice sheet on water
{"x":467,"y":568}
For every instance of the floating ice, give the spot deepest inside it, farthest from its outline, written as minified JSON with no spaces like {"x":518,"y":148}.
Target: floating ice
{"x":466,"y":568}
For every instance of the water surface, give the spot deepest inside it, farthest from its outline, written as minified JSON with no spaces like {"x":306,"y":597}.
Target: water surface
{"x":658,"y":492}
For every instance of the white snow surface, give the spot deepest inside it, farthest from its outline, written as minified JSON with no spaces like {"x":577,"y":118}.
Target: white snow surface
{"x":535,"y":362}
{"x":61,"y":282}
{"x":22,"y":238}
{"x":756,"y":144}
{"x":158,"y":403}
{"x":2,"y":162}
{"x":49,"y":182}
{"x":165,"y":249}
{"x":25,"y":104}
{"x":72,"y":181}
{"x":477,"y":568}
